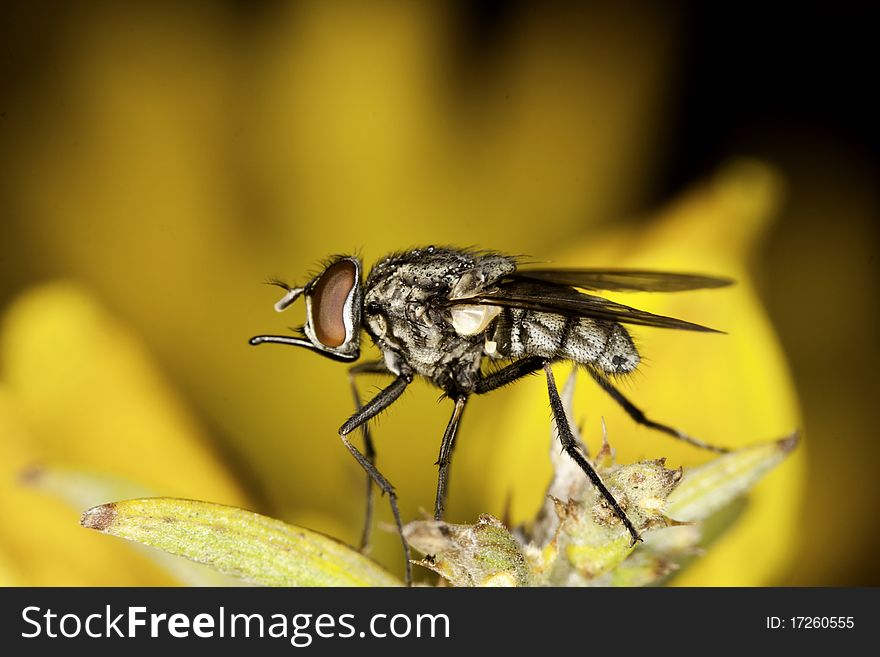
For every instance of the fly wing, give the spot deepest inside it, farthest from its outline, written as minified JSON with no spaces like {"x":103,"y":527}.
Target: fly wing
{"x":563,"y":300}
{"x":622,"y":280}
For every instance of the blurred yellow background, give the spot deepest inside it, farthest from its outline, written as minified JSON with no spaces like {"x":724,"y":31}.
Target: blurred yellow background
{"x":160,"y":161}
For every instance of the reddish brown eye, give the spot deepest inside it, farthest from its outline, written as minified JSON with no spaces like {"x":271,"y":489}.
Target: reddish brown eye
{"x":328,"y":302}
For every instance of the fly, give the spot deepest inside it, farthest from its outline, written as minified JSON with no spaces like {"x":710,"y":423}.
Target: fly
{"x":444,"y":313}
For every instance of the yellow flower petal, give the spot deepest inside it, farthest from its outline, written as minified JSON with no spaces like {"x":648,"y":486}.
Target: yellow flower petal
{"x":80,"y":390}
{"x":40,"y":542}
{"x":94,"y":398}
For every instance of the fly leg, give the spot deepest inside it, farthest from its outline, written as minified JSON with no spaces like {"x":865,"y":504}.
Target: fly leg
{"x":445,"y":457}
{"x":513,"y":372}
{"x":639,"y":416}
{"x":526,"y":366}
{"x":486,"y":384}
{"x":570,"y":446}
{"x":371,"y":409}
{"x":371,"y":367}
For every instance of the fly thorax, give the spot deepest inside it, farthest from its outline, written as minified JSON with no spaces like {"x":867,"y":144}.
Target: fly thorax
{"x":406,"y":310}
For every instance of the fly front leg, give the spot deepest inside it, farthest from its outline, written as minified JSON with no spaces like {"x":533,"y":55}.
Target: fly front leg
{"x":569,"y":444}
{"x":370,"y":367}
{"x":371,"y":409}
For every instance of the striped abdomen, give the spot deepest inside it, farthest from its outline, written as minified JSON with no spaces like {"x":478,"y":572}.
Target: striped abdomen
{"x":605,"y":345}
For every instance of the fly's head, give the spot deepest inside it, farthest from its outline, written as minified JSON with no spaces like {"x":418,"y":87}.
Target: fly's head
{"x":333,"y":311}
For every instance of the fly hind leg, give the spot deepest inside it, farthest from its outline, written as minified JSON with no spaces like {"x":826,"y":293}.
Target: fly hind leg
{"x":569,"y":444}
{"x":640,"y":418}
{"x":526,"y":366}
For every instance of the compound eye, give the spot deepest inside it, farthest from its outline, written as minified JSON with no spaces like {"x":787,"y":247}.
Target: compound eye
{"x":328,"y":302}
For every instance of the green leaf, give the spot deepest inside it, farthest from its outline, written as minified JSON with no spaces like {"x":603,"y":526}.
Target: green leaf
{"x":81,"y":489}
{"x":707,"y":488}
{"x":236,"y":542}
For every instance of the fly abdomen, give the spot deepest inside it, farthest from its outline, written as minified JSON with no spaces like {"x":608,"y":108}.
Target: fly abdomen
{"x":604,"y":345}
{"x":619,"y":354}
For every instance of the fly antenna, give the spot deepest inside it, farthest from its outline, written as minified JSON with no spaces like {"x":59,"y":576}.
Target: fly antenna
{"x":291,"y":296}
